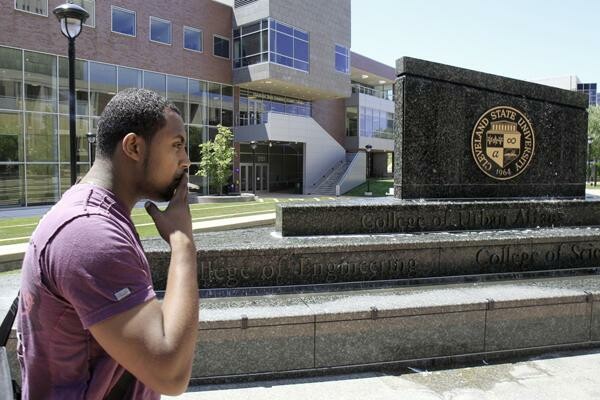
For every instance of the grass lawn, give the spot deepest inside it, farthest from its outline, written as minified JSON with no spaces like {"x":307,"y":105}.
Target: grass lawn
{"x":379,"y":187}
{"x":18,"y":230}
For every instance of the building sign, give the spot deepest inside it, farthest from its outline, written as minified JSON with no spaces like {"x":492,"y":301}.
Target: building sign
{"x":503,"y":142}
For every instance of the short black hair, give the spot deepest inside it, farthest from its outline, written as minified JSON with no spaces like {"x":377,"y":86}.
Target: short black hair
{"x":140,"y":111}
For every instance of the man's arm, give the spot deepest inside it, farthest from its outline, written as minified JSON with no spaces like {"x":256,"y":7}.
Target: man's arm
{"x":154,"y":341}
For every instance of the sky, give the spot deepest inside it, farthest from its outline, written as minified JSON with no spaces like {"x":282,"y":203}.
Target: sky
{"x":526,"y":39}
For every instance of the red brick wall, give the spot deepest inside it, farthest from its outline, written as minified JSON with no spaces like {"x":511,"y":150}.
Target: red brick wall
{"x":38,"y":33}
{"x":331,"y":115}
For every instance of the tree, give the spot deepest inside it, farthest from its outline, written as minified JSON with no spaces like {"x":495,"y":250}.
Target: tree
{"x":594,"y":131}
{"x":217,"y":157}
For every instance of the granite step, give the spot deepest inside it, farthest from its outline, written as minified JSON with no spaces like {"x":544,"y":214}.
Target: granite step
{"x":390,"y":215}
{"x":245,"y":338}
{"x":259,"y":260}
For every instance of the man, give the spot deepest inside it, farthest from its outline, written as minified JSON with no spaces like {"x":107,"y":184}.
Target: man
{"x":87,"y":307}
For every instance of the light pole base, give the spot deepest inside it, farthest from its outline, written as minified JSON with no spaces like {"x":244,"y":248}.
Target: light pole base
{"x":368,"y":193}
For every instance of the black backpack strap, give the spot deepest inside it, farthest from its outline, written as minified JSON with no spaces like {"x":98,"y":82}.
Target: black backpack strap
{"x":122,"y":389}
{"x":8,"y":322}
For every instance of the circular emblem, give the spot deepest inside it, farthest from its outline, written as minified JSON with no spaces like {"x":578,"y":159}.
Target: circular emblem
{"x":502,"y":142}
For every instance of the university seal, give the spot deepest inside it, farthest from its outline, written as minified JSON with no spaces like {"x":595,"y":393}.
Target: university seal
{"x":503,"y":142}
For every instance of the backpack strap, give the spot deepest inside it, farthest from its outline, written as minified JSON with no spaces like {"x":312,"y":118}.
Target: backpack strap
{"x":8,"y":322}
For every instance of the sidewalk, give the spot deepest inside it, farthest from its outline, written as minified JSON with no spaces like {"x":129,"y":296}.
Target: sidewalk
{"x":560,"y":376}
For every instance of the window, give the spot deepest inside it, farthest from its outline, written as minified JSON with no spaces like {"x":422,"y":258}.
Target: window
{"x":342,"y":59}
{"x":123,"y":21}
{"x":11,"y":79}
{"x":155,"y":81}
{"x":254,"y":106}
{"x":268,"y":40}
{"x":160,"y":30}
{"x":103,"y":86}
{"x":289,"y":46}
{"x":220,"y":46}
{"x":192,"y":39}
{"x":129,"y":78}
{"x":41,"y":82}
{"x":251,"y":44}
{"x":177,"y":93}
{"x":39,"y":7}
{"x":90,"y":7}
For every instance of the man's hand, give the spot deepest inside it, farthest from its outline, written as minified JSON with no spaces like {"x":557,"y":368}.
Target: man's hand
{"x":176,"y":218}
{"x":155,"y":341}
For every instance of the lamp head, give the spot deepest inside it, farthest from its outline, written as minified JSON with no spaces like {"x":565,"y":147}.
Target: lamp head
{"x":71,"y":17}
{"x":91,"y":137}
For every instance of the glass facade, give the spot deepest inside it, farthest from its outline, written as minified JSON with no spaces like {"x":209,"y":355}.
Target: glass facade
{"x":269,"y":40}
{"x":382,"y":91}
{"x":342,"y":59}
{"x":254,"y":106}
{"x":376,"y":123}
{"x":123,"y":21}
{"x":34,"y":120}
{"x":591,"y":90}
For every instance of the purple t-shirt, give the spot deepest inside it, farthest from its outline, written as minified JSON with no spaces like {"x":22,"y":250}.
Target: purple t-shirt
{"x":84,"y":264}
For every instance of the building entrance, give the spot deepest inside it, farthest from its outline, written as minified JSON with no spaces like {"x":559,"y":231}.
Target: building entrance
{"x":248,"y":178}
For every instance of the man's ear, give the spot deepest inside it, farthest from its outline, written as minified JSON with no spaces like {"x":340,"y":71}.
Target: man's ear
{"x":133,"y":146}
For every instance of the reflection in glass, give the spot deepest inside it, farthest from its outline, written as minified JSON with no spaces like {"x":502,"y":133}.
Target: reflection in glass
{"x":103,"y":86}
{"x":42,"y":183}
{"x":81,"y":86}
{"x":11,"y":79}
{"x":160,"y":30}
{"x":65,"y":174}
{"x":12,"y":185}
{"x":156,"y":82}
{"x":41,"y":137}
{"x":192,"y":39}
{"x":178,"y":94}
{"x":214,"y":103}
{"x":123,"y":21}
{"x":197,"y":102}
{"x":33,"y":6}
{"x":82,"y":127}
{"x":227,"y":106}
{"x":129,"y":78}
{"x":40,"y":82}
{"x":11,"y":137}
{"x":196,"y":137}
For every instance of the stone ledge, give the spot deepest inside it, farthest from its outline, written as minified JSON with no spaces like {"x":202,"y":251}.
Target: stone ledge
{"x":413,"y":216}
{"x":241,"y":338}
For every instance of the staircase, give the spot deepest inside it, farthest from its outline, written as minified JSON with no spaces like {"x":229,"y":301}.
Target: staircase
{"x":327,"y":185}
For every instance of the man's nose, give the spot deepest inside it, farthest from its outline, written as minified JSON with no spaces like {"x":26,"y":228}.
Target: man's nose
{"x":185,"y":163}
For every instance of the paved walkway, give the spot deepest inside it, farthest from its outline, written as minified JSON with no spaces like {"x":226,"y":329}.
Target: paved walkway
{"x":566,"y":376}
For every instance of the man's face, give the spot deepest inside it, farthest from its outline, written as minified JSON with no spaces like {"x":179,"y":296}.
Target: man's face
{"x":166,"y":159}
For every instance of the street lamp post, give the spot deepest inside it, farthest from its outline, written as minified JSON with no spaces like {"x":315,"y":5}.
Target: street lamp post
{"x":368,"y":149}
{"x":253,"y":147}
{"x":71,"y":17}
{"x":91,"y":137}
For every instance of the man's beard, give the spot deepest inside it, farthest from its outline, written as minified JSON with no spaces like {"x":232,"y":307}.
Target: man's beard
{"x":167,"y":193}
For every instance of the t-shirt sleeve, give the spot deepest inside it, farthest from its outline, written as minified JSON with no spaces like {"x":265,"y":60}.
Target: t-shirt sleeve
{"x":99,"y":269}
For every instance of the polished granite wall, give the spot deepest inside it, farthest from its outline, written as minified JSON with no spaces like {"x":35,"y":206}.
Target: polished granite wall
{"x":437,"y":108}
